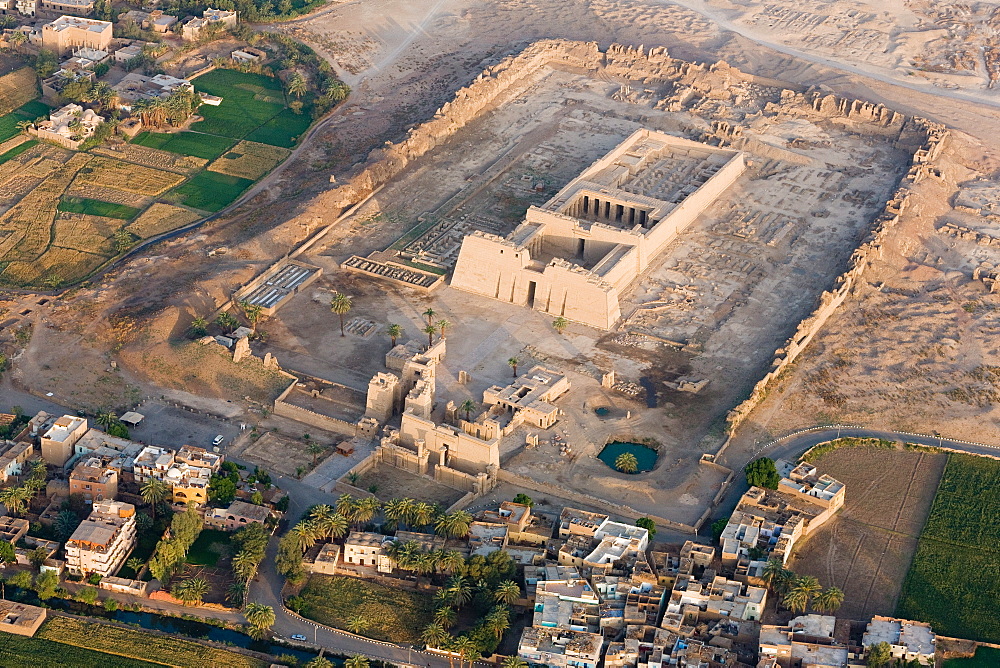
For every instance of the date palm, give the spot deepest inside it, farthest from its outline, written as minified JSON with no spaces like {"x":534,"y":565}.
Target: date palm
{"x":627,"y":463}
{"x":796,"y":600}
{"x":450,"y":561}
{"x":430,"y":331}
{"x":442,"y":325}
{"x":507,"y":592}
{"x":341,"y":305}
{"x":357,"y":624}
{"x":397,"y":511}
{"x":498,"y":621}
{"x":315,"y":449}
{"x":829,"y":600}
{"x":15,"y":499}
{"x":394,"y":331}
{"x":191,"y":590}
{"x":106,"y":419}
{"x":445,"y":616}
{"x":153,"y":492}
{"x":356,"y":661}
{"x":245,"y":566}
{"x":512,"y":363}
{"x":460,"y":590}
{"x":434,"y":635}
{"x":514,"y":662}
{"x":560,"y":324}
{"x":254,"y":313}
{"x":467,"y":650}
{"x":297,"y":85}
{"x":260,"y":617}
{"x":336,"y":91}
{"x":429,"y":314}
{"x":467,"y":406}
{"x":227,"y":322}
{"x":304,"y":535}
{"x":421,"y":514}
{"x":772,"y":572}
{"x":453,"y":525}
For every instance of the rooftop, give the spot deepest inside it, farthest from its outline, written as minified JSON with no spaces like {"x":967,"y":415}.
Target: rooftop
{"x":916,"y":637}
{"x":67,"y":22}
{"x":63,"y":427}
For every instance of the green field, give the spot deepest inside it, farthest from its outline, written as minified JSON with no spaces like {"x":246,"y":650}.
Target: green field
{"x":394,"y":615}
{"x":253,"y":107}
{"x":27,"y":112}
{"x":211,"y":191}
{"x":208,"y":547}
{"x":17,"y":150}
{"x":129,"y":647}
{"x":986,"y":657}
{"x":20,"y":652}
{"x":94,"y":207}
{"x":954,"y":581}
{"x":195,"y":144}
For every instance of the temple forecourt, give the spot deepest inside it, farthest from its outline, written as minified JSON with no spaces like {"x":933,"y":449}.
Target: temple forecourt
{"x":577,"y":253}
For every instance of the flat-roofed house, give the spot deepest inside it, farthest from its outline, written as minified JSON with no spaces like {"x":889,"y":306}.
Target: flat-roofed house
{"x":58,"y":441}
{"x":102,"y":542}
{"x":19,"y":618}
{"x":68,"y":33}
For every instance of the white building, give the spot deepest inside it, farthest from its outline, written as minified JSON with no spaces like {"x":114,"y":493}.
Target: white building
{"x":103,"y":541}
{"x":560,"y":647}
{"x":908,"y":640}
{"x":367,"y":549}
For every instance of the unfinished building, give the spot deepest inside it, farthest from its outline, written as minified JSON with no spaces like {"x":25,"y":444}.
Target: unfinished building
{"x":575,"y":255}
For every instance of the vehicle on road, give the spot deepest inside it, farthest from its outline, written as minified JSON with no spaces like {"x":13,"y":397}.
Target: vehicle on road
{"x":298,"y":636}
{"x":217,"y":441}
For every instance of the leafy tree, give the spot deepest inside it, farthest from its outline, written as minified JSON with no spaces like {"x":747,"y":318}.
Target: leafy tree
{"x":394,"y":331}
{"x":763,"y":473}
{"x":20,"y":579}
{"x":87,"y":595}
{"x":524,"y":499}
{"x":560,"y":324}
{"x":7,"y":554}
{"x":288,"y":561}
{"x":647,"y":524}
{"x":341,"y":305}
{"x":46,"y":583}
{"x":718,"y":526}
{"x":879,"y":655}
{"x":626,"y":462}
{"x":221,"y":489}
{"x":118,"y":430}
{"x":46,"y":63}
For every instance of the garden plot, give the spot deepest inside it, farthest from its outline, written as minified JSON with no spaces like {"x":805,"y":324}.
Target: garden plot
{"x":249,"y":160}
{"x":86,"y":233}
{"x":151,"y":157}
{"x":26,"y":112}
{"x":211,"y":191}
{"x":161,"y":218}
{"x":118,"y":175}
{"x":17,"y":89}
{"x":194,"y":144}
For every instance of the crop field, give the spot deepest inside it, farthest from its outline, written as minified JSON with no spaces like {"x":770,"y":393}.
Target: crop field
{"x":161,"y":218}
{"x":86,"y":233}
{"x":21,"y":652}
{"x":954,"y":581}
{"x":248,"y":102}
{"x":150,"y":157}
{"x":211,"y":191}
{"x":866,"y":548}
{"x":131,"y":178}
{"x":16,"y":88}
{"x":93,"y":207}
{"x":393,"y":614}
{"x":207,"y":147}
{"x":12,"y":153}
{"x":137,"y":646}
{"x":26,"y":112}
{"x":249,"y":160}
{"x":986,"y":657}
{"x":282,"y":130}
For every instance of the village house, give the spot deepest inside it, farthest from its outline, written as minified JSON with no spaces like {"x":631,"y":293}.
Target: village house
{"x":20,"y":619}
{"x":908,"y":640}
{"x":69,"y":126}
{"x":194,"y":26}
{"x":13,"y":455}
{"x":96,"y":479}
{"x":58,"y":441}
{"x":102,"y":542}
{"x":560,"y":648}
{"x":367,"y":549}
{"x":807,"y":640}
{"x":71,"y":32}
{"x":238,"y":515}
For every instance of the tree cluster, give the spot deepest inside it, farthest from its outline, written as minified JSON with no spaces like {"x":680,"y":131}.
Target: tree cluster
{"x":171,"y":552}
{"x":249,"y":543}
{"x":16,"y":498}
{"x":763,"y":473}
{"x":222,"y":485}
{"x":798,"y":593}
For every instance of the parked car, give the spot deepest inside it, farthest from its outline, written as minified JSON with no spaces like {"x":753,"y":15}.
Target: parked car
{"x":298,"y":636}
{"x":217,"y":441}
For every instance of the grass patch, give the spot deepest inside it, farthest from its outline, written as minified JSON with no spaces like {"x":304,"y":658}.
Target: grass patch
{"x":208,"y":547}
{"x":211,"y":191}
{"x":248,"y":101}
{"x":17,"y":150}
{"x":26,"y":112}
{"x":20,"y":652}
{"x":283,"y":130}
{"x":208,"y":147}
{"x":136,"y":645}
{"x":986,"y":657}
{"x":394,"y":615}
{"x":820,"y":449}
{"x":954,"y":581}
{"x":95,"y":207}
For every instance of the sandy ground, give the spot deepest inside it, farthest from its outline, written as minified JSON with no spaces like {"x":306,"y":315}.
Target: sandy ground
{"x":866,"y":548}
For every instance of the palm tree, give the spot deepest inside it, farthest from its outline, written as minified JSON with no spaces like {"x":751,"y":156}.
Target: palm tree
{"x":244,"y":566}
{"x":796,"y":600}
{"x":24,"y":126}
{"x":467,"y":650}
{"x":15,"y":499}
{"x":507,"y":592}
{"x":364,"y":510}
{"x":430,"y":331}
{"x":397,"y":511}
{"x":106,"y":419}
{"x":453,"y":525}
{"x":784,"y":581}
{"x":434,"y":634}
{"x":442,"y":325}
{"x":627,"y":463}
{"x":450,"y":561}
{"x":341,"y":305}
{"x":772,"y":572}
{"x":319,"y":662}
{"x":253,"y":313}
{"x":445,"y":616}
{"x":357,"y":624}
{"x":514,"y":662}
{"x":512,"y":363}
{"x":315,"y":449}
{"x":153,"y":492}
{"x":336,"y":91}
{"x":227,"y":322}
{"x":304,"y":535}
{"x":297,"y":85}
{"x":809,"y":584}
{"x":498,"y":620}
{"x":65,"y":524}
{"x":198,"y":326}
{"x":560,"y":324}
{"x":460,"y":590}
{"x":356,"y":661}
{"x":421,"y":514}
{"x":237,"y":592}
{"x":260,"y":617}
{"x":468,"y":406}
{"x":191,"y":590}
{"x":394,"y":331}
{"x":829,"y":600}
{"x":136,"y":564}
{"x":17,"y":39}
{"x":429,"y":314}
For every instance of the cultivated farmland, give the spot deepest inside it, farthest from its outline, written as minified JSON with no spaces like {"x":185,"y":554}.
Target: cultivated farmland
{"x":161,"y":218}
{"x":866,"y":548}
{"x":136,"y":644}
{"x":211,"y":191}
{"x":207,"y":147}
{"x":954,"y":582}
{"x":16,"y":88}
{"x":249,"y":160}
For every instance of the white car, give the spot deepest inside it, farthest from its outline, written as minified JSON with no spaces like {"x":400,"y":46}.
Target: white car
{"x":217,"y":441}
{"x":298,"y":636}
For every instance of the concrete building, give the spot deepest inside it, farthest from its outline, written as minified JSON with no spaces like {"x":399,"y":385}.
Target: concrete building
{"x":560,"y":648}
{"x":103,"y":541}
{"x":532,"y":395}
{"x":193,"y":27}
{"x":574,"y":522}
{"x":13,"y":455}
{"x":20,"y":619}
{"x":807,"y":640}
{"x":187,"y":471}
{"x":367,"y":549}
{"x":615,"y":541}
{"x":70,"y":7}
{"x":58,"y":441}
{"x":487,"y":537}
{"x":96,"y":479}
{"x":908,"y":640}
{"x":715,"y":598}
{"x":71,"y":32}
{"x":69,"y":126}
{"x":575,"y":255}
{"x":326,"y":560}
{"x":238,"y":515}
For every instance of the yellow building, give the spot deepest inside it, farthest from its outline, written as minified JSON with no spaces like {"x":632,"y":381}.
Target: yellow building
{"x":68,"y":33}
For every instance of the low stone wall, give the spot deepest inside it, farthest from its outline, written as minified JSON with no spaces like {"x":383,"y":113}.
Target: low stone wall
{"x":312,"y":418}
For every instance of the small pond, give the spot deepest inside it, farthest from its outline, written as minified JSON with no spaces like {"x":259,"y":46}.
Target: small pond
{"x":645,"y":456}
{"x":602,"y":411}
